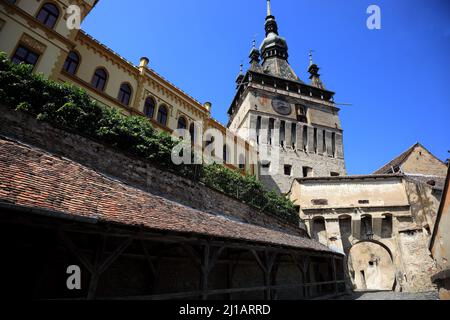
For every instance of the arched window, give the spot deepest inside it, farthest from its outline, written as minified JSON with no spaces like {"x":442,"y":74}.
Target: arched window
{"x":182,"y":123}
{"x":48,"y":15}
{"x":162,"y":115}
{"x":149,"y":107}
{"x":99,"y":79}
{"x":72,"y":62}
{"x":125,"y":94}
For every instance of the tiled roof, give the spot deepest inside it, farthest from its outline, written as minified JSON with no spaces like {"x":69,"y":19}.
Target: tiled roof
{"x":33,"y":178}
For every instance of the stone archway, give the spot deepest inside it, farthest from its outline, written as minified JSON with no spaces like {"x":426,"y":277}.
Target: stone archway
{"x":371,"y":266}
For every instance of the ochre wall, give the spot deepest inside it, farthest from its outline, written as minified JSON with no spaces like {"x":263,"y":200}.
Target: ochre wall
{"x":423,"y":162}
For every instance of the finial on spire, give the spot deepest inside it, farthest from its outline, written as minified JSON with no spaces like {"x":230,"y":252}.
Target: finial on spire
{"x":314,"y":71}
{"x":269,"y":10}
{"x":241,"y":68}
{"x":254,"y":43}
{"x":311,"y":62}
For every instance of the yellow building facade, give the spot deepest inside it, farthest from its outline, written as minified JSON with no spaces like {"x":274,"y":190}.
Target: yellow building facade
{"x":37,"y":33}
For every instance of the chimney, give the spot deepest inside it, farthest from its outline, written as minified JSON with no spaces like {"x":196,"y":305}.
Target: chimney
{"x":143,"y":64}
{"x":208,"y":106}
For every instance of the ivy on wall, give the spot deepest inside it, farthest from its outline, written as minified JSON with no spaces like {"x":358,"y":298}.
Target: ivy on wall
{"x":70,"y":108}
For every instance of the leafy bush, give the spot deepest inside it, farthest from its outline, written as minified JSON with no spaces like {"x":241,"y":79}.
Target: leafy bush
{"x":68,"y":107}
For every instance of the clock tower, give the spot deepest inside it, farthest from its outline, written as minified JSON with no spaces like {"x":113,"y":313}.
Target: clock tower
{"x":294,"y":125}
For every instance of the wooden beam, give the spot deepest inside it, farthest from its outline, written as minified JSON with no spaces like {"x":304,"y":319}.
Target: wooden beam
{"x":148,"y":258}
{"x":152,"y":236}
{"x":96,"y":274}
{"x":193,"y":255}
{"x":180,"y":295}
{"x":266,"y":266}
{"x":204,"y":272}
{"x":333,"y":262}
{"x":113,"y":257}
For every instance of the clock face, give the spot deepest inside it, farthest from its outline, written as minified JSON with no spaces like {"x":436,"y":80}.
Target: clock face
{"x":281,"y":106}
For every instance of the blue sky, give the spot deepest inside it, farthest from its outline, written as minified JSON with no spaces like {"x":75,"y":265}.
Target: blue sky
{"x":396,"y":78}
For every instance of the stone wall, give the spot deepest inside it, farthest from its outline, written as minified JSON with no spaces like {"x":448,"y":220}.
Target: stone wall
{"x":134,"y":171}
{"x":424,"y":203}
{"x":419,"y":267}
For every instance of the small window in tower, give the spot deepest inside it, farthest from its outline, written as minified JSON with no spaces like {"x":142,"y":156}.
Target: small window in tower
{"x":301,"y":113}
{"x":335,"y":174}
{"x":307,"y":172}
{"x":288,"y":170}
{"x":265,"y":164}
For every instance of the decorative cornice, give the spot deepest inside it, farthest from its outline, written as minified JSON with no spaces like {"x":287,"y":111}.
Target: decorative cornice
{"x":157,"y":81}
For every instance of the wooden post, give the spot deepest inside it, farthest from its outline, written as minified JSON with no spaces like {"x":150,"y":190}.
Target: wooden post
{"x":301,"y":267}
{"x":231,"y":271}
{"x":204,"y":271}
{"x":333,"y":260}
{"x":153,"y":269}
{"x":98,"y":267}
{"x":267,"y":268}
{"x":306,"y":269}
{"x":207,"y":262}
{"x":95,"y":275}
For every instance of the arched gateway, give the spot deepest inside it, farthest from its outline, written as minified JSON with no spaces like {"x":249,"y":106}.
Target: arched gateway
{"x":371,"y":266}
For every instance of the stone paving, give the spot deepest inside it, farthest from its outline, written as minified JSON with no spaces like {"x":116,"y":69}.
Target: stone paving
{"x":388,"y":295}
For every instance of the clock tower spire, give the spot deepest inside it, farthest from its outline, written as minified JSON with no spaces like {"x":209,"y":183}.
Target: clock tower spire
{"x":295,"y":126}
